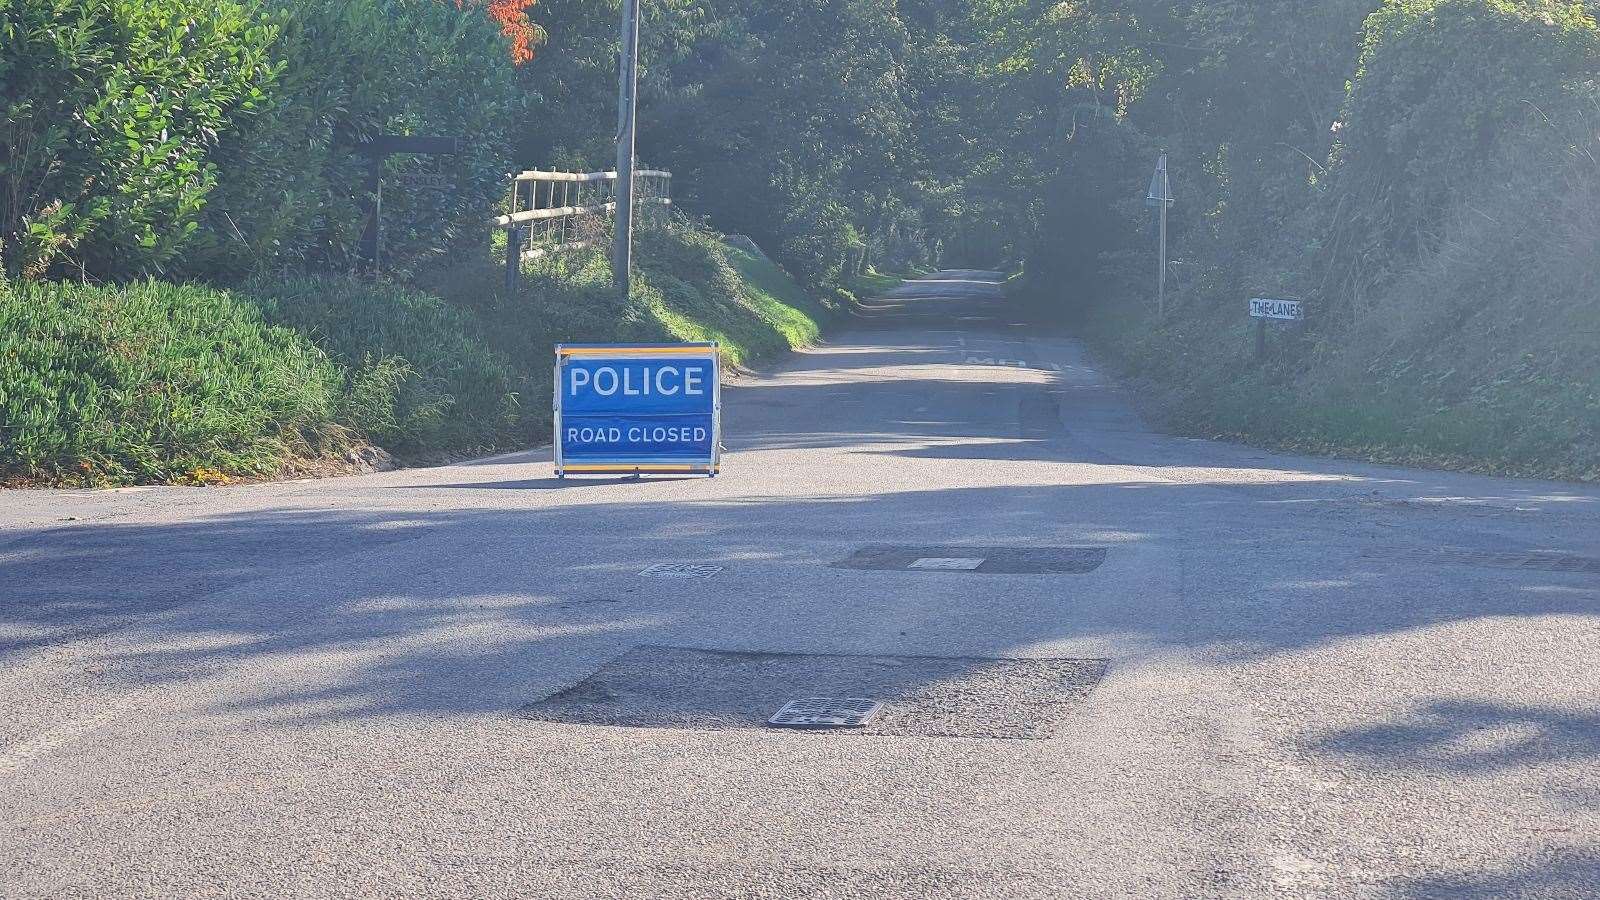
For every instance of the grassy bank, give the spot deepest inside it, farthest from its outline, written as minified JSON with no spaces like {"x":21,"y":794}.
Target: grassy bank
{"x":153,"y":382}
{"x":1534,"y":413}
{"x":1447,"y":251}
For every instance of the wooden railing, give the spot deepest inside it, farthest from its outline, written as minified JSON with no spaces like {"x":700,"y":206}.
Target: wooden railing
{"x":555,"y":211}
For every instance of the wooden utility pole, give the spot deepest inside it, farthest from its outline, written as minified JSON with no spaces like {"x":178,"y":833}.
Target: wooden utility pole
{"x":627,"y":106}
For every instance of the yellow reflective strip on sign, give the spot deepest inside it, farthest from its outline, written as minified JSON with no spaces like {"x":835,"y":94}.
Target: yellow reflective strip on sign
{"x":596,"y":467}
{"x":640,"y":351}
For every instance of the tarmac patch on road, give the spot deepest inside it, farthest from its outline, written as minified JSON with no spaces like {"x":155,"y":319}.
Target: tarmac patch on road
{"x":978,"y":560}
{"x":717,"y":690}
{"x":1535,"y":561}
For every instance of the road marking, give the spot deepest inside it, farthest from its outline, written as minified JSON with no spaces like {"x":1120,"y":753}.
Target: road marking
{"x":1008,"y":363}
{"x":680,"y":570}
{"x":947,"y":564}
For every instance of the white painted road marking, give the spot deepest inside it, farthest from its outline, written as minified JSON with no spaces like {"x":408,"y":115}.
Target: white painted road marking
{"x":680,"y":570}
{"x":948,"y":564}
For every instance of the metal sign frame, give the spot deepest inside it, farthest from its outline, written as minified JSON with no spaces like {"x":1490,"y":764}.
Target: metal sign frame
{"x":710,"y":466}
{"x":377,"y":150}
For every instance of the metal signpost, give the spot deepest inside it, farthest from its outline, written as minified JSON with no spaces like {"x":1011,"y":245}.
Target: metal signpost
{"x":1160,"y":195}
{"x":1265,"y":310}
{"x":638,"y":409}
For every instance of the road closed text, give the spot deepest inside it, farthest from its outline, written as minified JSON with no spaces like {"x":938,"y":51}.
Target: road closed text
{"x":695,"y":435}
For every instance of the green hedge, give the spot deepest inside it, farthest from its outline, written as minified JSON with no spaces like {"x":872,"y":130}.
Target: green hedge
{"x":154,"y":382}
{"x":210,"y":139}
{"x":110,"y":112}
{"x":292,"y":185}
{"x":426,"y":379}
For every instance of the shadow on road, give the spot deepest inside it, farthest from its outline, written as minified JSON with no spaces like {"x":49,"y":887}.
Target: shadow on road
{"x":547,"y":583}
{"x":1572,"y":874}
{"x":1468,"y":737}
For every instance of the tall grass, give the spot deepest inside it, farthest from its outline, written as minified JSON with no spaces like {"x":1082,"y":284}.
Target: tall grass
{"x":420,"y":376}
{"x":154,"y":382}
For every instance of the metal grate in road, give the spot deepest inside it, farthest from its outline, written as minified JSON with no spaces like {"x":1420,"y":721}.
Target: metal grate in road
{"x":978,"y":560}
{"x":826,"y":712}
{"x":680,"y":570}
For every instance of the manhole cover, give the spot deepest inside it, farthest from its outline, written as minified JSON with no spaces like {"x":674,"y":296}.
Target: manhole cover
{"x":948,"y":564}
{"x":680,"y":570}
{"x":826,"y":712}
{"x":1536,"y":561}
{"x":921,"y":696}
{"x":980,"y":560}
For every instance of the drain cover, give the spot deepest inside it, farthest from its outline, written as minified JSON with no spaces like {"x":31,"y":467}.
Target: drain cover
{"x":680,"y":570}
{"x":948,"y":564}
{"x":978,"y":560}
{"x":826,"y":712}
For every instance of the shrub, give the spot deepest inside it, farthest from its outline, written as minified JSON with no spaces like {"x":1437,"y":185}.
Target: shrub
{"x":293,"y":188}
{"x":1440,"y":83}
{"x":110,"y":110}
{"x":820,"y":243}
{"x":450,"y":392}
{"x":154,"y":382}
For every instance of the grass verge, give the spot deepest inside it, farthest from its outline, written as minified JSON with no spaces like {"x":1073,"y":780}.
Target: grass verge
{"x":155,"y":382}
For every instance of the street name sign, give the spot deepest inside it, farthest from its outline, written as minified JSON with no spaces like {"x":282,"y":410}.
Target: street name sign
{"x":638,"y":408}
{"x":1284,"y":310}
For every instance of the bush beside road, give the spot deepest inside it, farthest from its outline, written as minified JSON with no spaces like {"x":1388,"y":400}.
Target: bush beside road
{"x":160,"y":383}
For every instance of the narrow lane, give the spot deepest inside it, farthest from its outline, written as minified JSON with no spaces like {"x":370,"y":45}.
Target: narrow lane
{"x":1279,"y":675}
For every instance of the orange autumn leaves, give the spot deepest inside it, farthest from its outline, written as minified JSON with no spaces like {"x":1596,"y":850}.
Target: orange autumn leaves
{"x":512,"y":16}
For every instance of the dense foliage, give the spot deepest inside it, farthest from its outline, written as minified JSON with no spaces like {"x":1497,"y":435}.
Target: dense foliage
{"x":1414,"y":170}
{"x":796,"y":124}
{"x":110,"y":111}
{"x":293,"y":182}
{"x":217,"y":138}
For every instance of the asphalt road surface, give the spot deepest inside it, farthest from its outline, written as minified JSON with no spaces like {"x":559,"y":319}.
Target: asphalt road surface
{"x":1116,"y":663}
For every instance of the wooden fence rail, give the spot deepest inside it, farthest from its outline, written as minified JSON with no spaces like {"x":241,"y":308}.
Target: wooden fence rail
{"x":555,"y":211}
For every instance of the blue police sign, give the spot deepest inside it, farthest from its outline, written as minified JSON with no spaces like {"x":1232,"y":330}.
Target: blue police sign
{"x":638,"y":408}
